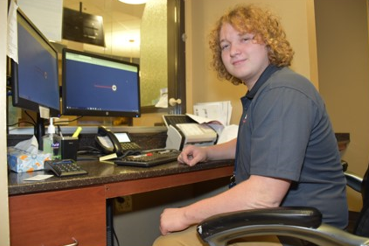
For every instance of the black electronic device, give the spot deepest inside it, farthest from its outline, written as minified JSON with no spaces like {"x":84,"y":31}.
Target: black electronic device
{"x":118,"y":143}
{"x":34,"y":78}
{"x":149,"y":158}
{"x":83,"y":27}
{"x":97,"y":85}
{"x":64,"y":168}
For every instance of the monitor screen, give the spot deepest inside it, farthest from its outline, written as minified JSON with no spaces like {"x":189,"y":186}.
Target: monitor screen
{"x":96,"y":85}
{"x":34,"y":79}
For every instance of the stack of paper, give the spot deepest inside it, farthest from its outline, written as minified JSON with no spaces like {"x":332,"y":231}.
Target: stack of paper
{"x":220,"y":111}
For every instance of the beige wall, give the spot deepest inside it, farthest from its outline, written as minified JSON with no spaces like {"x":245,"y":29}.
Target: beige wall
{"x":343,"y":56}
{"x":202,"y":83}
{"x":4,"y":222}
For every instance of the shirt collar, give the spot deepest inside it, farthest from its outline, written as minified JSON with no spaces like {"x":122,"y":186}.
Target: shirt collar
{"x":263,"y":78}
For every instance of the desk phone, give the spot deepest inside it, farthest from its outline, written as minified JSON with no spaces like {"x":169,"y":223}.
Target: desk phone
{"x":119,"y":143}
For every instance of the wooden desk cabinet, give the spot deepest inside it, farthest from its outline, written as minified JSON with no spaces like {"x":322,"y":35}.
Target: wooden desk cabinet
{"x":55,"y":212}
{"x":59,"y":217}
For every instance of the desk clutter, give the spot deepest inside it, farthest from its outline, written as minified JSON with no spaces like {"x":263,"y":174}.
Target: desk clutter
{"x":21,"y":159}
{"x":26,"y":155}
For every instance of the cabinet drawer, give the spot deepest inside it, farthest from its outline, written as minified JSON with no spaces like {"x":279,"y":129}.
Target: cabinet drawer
{"x":55,"y":218}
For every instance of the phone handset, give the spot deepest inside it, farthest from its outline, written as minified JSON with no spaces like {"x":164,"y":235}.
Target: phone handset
{"x":108,"y":141}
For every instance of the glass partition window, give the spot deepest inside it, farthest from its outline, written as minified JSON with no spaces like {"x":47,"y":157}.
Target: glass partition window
{"x":154,"y":51}
{"x":133,"y":33}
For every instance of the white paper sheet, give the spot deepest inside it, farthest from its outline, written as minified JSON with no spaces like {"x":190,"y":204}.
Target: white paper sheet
{"x":39,"y":177}
{"x":46,"y":15}
{"x":220,"y":111}
{"x":229,"y":132}
{"x":163,"y":100}
{"x":12,"y":35}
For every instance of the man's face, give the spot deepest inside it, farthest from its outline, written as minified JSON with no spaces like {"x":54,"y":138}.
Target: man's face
{"x":242,"y":56}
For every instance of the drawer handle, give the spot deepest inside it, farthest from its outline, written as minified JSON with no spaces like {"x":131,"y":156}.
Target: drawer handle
{"x":73,"y":244}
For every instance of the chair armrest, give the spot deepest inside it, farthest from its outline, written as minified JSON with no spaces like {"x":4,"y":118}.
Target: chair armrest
{"x":301,"y":222}
{"x":354,"y":181}
{"x":301,"y":216}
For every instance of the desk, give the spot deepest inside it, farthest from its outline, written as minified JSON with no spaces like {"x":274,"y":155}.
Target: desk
{"x":54,"y":211}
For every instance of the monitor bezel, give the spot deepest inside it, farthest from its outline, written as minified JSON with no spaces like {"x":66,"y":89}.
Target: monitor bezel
{"x":24,"y":103}
{"x":100,"y":113}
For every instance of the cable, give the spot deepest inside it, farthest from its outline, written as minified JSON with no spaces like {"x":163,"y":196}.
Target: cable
{"x":68,"y":121}
{"x":22,"y":121}
{"x":60,"y":131}
{"x":88,"y":150}
{"x":34,"y":122}
{"x":115,"y":236}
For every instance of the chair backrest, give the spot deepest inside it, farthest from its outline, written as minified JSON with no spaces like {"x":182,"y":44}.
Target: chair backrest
{"x":362,"y":225}
{"x":365,"y":187}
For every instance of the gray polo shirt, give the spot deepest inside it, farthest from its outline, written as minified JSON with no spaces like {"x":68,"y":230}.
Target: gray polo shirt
{"x":285,"y":132}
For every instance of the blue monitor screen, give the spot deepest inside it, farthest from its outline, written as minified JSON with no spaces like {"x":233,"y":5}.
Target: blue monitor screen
{"x":35,"y":77}
{"x":96,"y":85}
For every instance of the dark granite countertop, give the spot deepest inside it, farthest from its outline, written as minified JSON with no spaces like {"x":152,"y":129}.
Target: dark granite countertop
{"x":106,"y":172}
{"x":100,"y":173}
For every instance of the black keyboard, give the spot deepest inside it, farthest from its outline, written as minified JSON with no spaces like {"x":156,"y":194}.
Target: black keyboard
{"x":174,"y":119}
{"x":149,"y":158}
{"x":64,"y":168}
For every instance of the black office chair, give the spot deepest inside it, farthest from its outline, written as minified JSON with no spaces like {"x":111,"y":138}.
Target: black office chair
{"x":299,"y":222}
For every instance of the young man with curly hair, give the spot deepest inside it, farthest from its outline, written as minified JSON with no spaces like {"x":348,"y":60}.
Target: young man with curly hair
{"x":286,"y":153}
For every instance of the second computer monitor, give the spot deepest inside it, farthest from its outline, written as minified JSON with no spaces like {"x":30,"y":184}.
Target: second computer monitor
{"x":34,"y":78}
{"x":97,"y":85}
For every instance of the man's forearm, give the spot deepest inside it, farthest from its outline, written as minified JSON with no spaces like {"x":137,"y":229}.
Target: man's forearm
{"x":225,"y":150}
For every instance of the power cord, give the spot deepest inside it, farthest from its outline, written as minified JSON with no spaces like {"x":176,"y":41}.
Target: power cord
{"x":68,"y":121}
{"x":115,"y":236}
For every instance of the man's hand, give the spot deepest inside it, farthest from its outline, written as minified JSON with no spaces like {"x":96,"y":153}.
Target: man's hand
{"x":191,"y":155}
{"x":172,"y":220}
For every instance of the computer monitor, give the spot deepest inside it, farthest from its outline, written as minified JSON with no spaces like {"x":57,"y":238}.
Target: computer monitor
{"x":34,"y":79}
{"x":97,"y":85}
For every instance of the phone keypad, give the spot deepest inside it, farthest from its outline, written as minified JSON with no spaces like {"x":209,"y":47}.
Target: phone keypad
{"x":129,"y":146}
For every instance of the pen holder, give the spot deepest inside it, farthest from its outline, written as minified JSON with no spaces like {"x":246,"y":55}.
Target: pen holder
{"x":69,"y":148}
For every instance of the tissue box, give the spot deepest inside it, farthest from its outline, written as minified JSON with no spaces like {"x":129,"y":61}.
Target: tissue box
{"x":21,"y":161}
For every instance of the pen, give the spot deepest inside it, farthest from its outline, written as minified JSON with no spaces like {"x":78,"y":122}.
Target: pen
{"x":76,"y":133}
{"x":142,"y":155}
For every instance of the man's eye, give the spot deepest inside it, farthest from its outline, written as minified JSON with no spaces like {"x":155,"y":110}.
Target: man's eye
{"x":223,"y":47}
{"x":247,"y":38}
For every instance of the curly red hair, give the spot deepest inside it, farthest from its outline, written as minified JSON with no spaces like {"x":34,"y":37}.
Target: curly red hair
{"x":267,"y":30}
